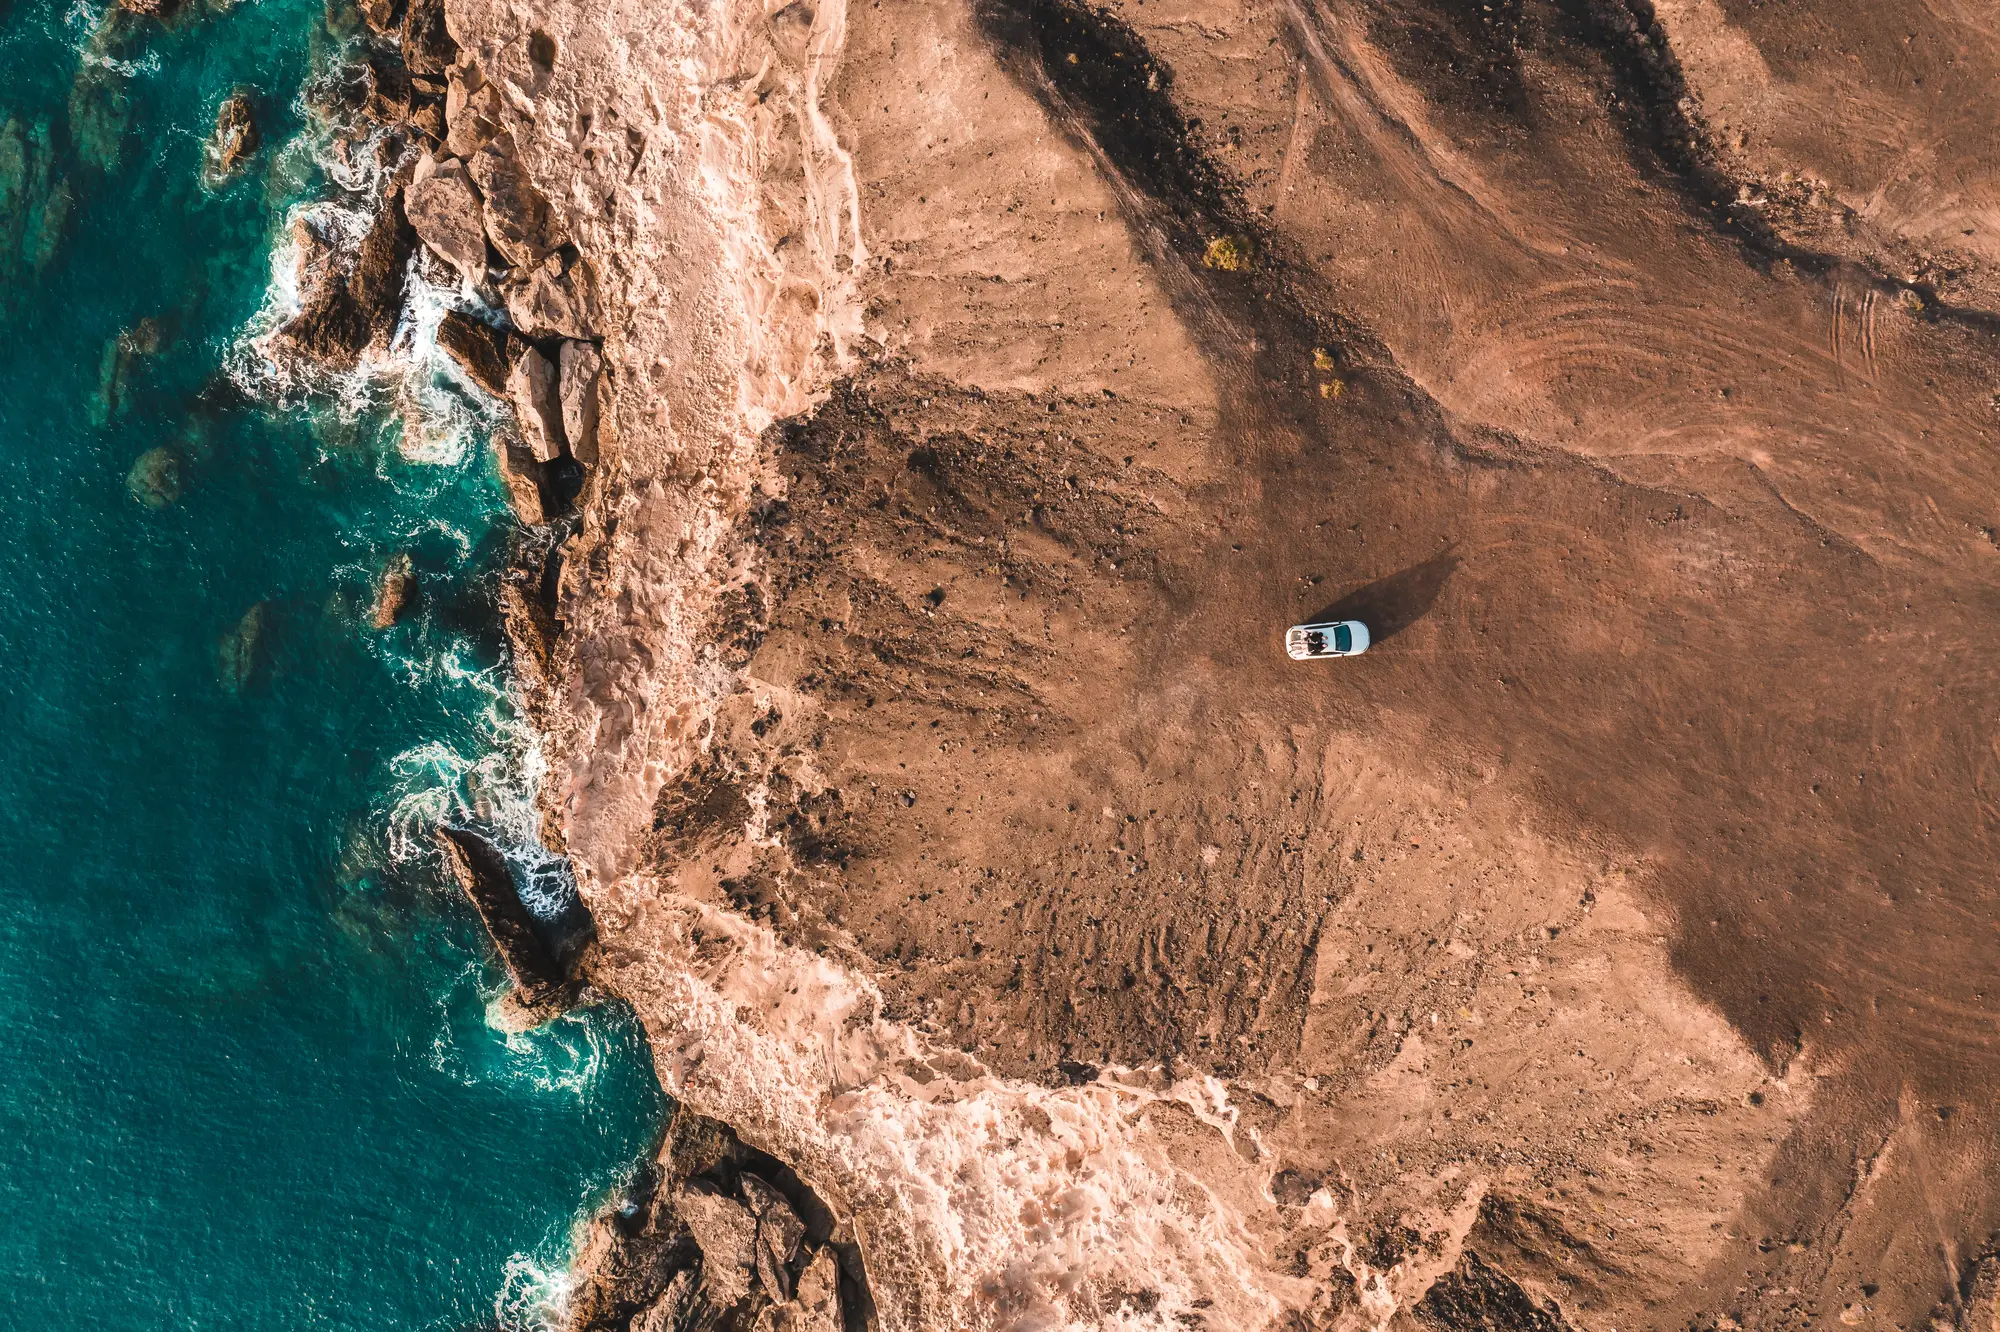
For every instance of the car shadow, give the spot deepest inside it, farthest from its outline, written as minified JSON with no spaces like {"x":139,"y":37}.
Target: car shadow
{"x":1390,"y":605}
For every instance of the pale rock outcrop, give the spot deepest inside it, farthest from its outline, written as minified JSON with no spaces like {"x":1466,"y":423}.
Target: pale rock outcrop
{"x":727,"y":1234}
{"x":581,"y":368}
{"x":551,"y":301}
{"x":518,"y":220}
{"x":471,"y":111}
{"x":816,"y":1307}
{"x":531,"y":387}
{"x":446,"y":211}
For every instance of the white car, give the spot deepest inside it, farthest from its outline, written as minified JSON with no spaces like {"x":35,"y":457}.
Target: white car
{"x":1329,"y":638}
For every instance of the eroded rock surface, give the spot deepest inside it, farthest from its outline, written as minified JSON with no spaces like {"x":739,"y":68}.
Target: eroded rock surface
{"x":531,"y":386}
{"x":484,"y":352}
{"x":581,"y":372}
{"x":445,"y":211}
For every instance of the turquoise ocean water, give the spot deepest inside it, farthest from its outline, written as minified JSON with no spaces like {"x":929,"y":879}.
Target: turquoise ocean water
{"x":246,"y":1080}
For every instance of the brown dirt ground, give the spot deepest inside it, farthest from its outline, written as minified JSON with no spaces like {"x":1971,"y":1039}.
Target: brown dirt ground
{"x":1644,"y":866}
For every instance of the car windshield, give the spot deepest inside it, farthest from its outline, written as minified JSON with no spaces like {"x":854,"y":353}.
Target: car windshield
{"x":1343,"y":638}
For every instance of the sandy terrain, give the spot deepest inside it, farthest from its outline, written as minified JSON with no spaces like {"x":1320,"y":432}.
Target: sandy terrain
{"x":1610,"y":947}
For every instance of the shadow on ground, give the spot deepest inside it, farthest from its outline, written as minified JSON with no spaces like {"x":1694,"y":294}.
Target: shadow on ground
{"x":1390,"y":605}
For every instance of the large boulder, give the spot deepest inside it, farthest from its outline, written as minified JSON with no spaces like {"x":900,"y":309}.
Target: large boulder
{"x":393,"y":592}
{"x":377,"y":281}
{"x":383,"y":17}
{"x":553,"y":299}
{"x":372,"y":86}
{"x":342,"y":313}
{"x":235,"y":139}
{"x":521,"y":475}
{"x":482,"y":351}
{"x":531,"y":387}
{"x":779,"y":1232}
{"x":519,"y":221}
{"x":428,"y":47}
{"x":727,"y":1235}
{"x":488,"y":883}
{"x":580,"y":368}
{"x":817,"y":1305}
{"x":445,"y":210}
{"x":471,"y":111}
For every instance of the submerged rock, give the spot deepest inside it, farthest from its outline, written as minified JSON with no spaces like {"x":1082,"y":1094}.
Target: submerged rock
{"x":45,"y":235}
{"x":393,"y":593}
{"x":34,"y":204}
{"x":155,"y":478}
{"x":479,"y":349}
{"x":445,"y":210}
{"x":235,"y":141}
{"x":531,"y":387}
{"x":114,"y":371}
{"x":580,"y":368}
{"x":240,"y":652}
{"x":13,"y":187}
{"x":100,"y":100}
{"x":100,"y":116}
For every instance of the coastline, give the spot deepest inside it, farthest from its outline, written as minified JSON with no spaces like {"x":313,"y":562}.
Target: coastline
{"x":988,"y":897}
{"x":687,"y":162}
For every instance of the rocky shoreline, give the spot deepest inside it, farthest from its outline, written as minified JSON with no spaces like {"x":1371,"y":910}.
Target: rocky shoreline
{"x":711,"y":1233}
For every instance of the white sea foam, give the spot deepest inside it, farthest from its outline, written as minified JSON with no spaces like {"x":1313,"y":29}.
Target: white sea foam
{"x":534,"y":1295}
{"x":565,"y":1057}
{"x":985,"y":1201}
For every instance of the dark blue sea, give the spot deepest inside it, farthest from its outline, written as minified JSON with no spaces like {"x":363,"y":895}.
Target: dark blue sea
{"x":247,"y":1079}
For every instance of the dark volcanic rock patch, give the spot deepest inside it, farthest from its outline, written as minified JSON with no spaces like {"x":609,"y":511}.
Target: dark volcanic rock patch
{"x":483,"y":874}
{"x":718,"y":1235}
